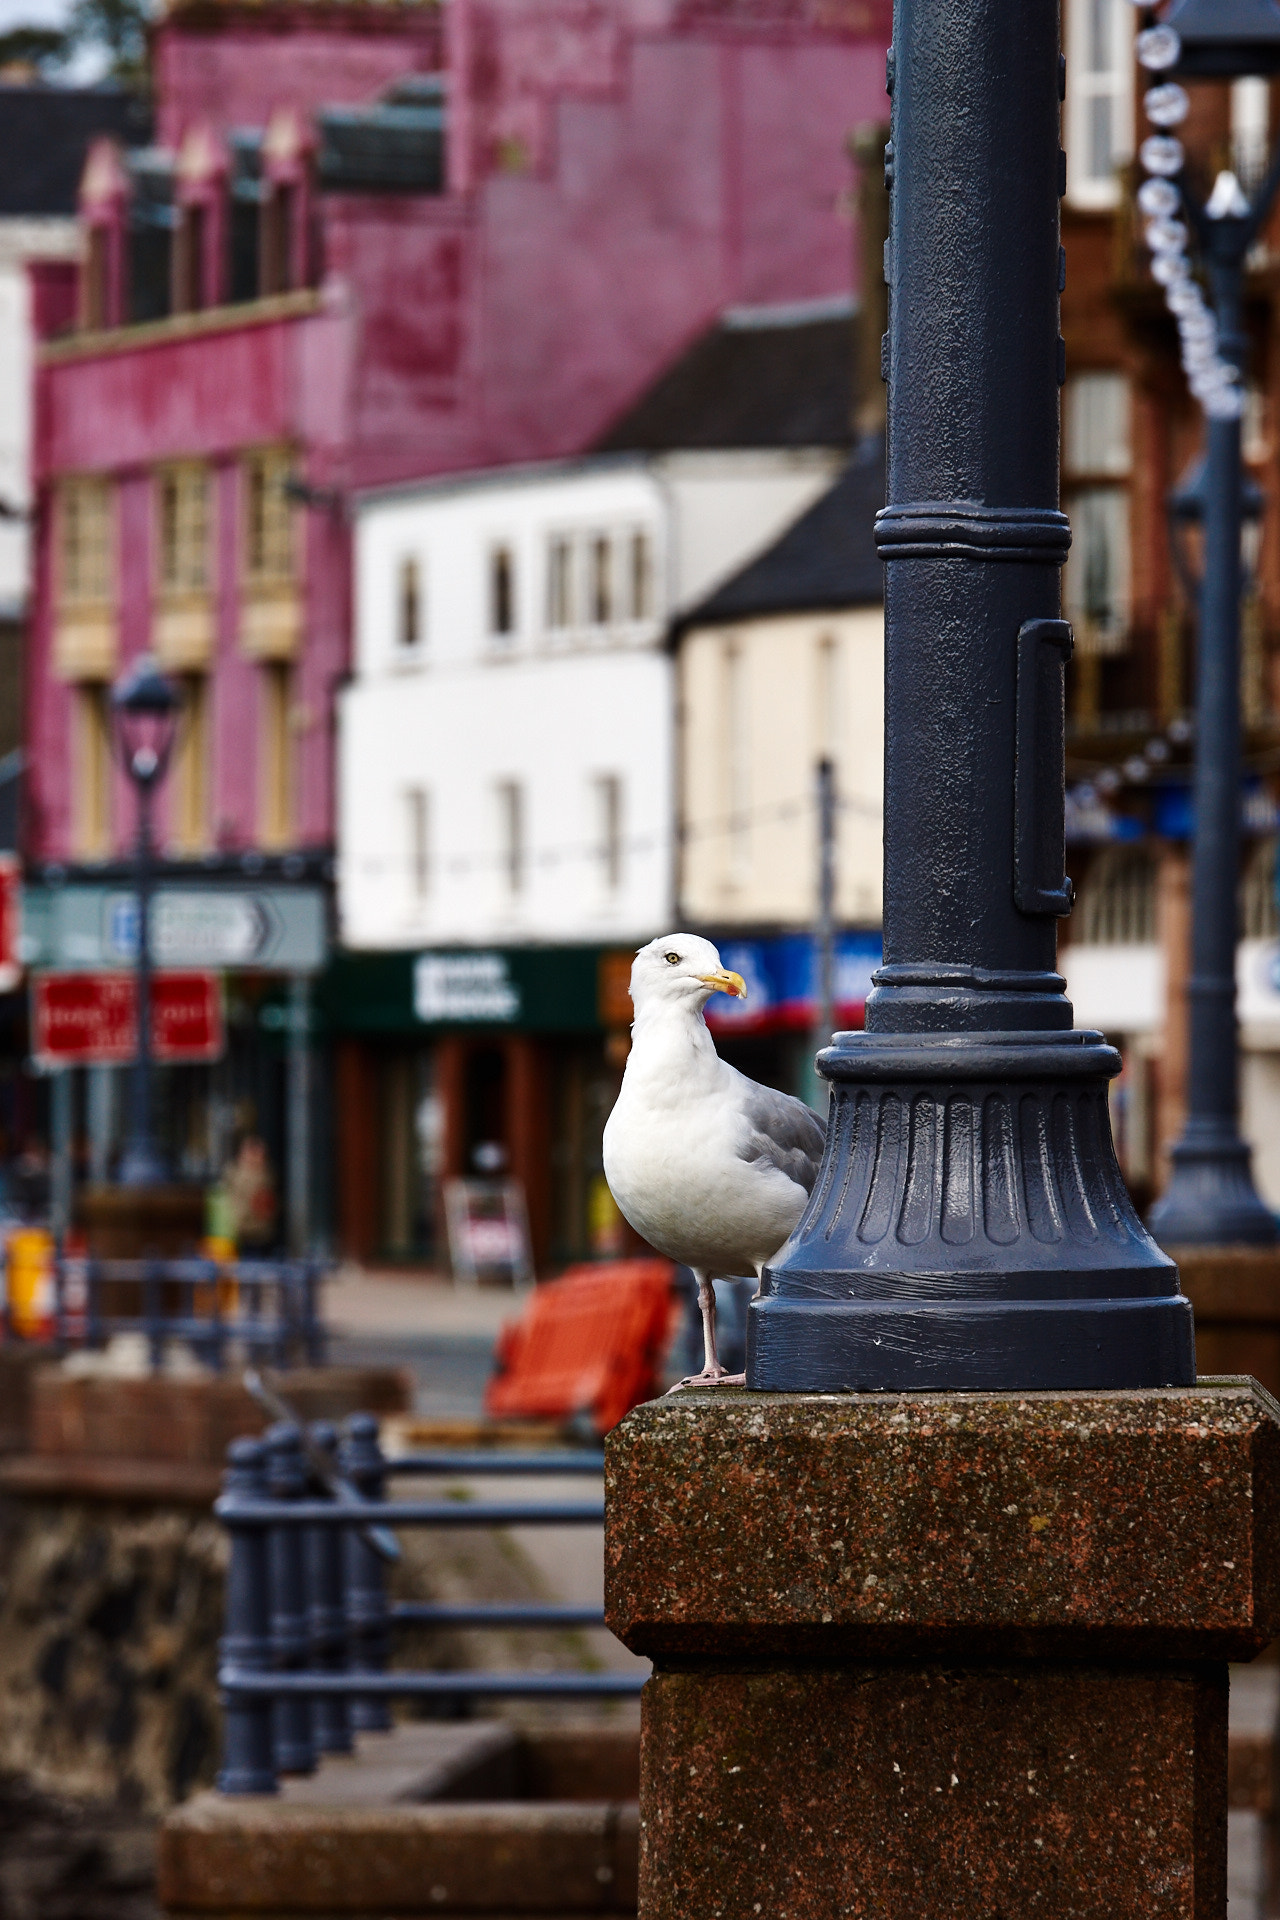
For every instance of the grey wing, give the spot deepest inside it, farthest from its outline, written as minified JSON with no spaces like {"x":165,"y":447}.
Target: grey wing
{"x":782,"y":1132}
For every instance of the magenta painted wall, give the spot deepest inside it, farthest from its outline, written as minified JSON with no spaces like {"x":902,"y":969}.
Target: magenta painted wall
{"x":619,"y":175}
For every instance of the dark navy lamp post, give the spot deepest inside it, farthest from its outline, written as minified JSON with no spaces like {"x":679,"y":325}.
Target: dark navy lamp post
{"x":145,"y":705}
{"x":970,"y":1228}
{"x":1211,"y":1199}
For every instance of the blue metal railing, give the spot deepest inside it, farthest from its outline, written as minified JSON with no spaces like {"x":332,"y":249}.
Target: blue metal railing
{"x":305,"y":1657}
{"x":265,"y":1309}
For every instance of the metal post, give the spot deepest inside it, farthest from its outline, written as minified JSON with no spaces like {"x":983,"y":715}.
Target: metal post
{"x":368,"y":1616}
{"x":326,"y":1614}
{"x":61,"y":1128}
{"x":247,"y":1756}
{"x":826,"y":926}
{"x":291,"y":1715}
{"x":299,"y":1097}
{"x":1211,"y":1199}
{"x":969,"y":1228}
{"x":141,"y":1164}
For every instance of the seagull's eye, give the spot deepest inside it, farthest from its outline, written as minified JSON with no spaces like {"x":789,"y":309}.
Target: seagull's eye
{"x":672,"y":959}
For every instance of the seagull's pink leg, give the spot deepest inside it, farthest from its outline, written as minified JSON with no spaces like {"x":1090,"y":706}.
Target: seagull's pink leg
{"x":713,"y":1374}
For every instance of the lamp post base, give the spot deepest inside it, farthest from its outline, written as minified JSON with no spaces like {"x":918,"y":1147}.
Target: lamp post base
{"x":1211,"y":1200}
{"x":969,"y":1229}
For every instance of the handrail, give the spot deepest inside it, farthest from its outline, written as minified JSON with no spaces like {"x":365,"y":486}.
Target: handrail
{"x":266,"y":1308}
{"x":305,"y":1656}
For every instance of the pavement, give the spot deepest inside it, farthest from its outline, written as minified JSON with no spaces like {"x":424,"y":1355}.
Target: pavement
{"x":418,"y":1319}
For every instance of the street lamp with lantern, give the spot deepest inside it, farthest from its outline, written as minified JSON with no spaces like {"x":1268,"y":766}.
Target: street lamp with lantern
{"x":145,"y":706}
{"x":1211,"y":1199}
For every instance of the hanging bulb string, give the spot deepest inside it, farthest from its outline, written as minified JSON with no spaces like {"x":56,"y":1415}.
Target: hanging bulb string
{"x":1212,"y":379}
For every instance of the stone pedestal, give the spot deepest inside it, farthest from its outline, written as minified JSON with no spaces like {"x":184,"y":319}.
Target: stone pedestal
{"x":931,"y":1657}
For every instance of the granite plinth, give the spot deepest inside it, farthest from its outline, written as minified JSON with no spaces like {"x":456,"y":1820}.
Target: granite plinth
{"x":923,"y":1657}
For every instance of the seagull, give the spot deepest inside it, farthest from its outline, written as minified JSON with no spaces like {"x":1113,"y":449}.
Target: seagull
{"x":709,"y":1167}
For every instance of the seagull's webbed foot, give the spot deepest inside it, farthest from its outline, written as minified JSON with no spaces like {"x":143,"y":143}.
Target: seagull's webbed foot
{"x":710,"y":1377}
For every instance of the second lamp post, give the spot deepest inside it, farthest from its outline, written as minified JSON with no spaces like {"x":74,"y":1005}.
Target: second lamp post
{"x":145,"y":705}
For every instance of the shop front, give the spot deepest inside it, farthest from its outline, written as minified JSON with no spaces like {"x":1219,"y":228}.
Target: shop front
{"x":501,"y":1061}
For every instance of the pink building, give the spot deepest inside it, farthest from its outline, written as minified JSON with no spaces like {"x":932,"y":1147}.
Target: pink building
{"x":374,"y":243}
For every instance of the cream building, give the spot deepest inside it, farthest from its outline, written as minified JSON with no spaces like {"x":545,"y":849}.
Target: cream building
{"x":780,"y":668}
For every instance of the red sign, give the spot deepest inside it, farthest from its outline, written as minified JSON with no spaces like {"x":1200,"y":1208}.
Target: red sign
{"x":90,"y":1019}
{"x":10,"y":921}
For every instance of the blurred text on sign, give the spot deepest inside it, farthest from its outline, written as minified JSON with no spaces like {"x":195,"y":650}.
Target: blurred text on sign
{"x":91,"y":1019}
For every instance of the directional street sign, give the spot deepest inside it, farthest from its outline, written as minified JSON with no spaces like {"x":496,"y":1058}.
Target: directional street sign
{"x":277,"y":929}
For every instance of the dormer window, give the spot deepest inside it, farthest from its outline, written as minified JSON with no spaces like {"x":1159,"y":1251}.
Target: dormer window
{"x":279,"y":220}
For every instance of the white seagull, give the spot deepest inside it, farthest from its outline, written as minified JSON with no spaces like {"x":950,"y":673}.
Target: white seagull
{"x":709,"y":1167}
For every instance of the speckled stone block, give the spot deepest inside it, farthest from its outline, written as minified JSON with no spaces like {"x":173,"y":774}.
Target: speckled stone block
{"x":926,"y":1657}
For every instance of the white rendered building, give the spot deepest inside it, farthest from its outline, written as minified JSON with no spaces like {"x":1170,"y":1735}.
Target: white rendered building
{"x":507,"y":742}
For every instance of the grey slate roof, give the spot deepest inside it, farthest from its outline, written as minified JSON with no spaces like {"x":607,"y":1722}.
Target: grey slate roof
{"x":825,"y":559}
{"x":760,"y":377}
{"x":44,"y":135}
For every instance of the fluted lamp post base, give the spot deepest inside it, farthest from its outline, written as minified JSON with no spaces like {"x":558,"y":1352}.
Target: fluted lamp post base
{"x":969,"y":1230}
{"x":1211,"y":1200}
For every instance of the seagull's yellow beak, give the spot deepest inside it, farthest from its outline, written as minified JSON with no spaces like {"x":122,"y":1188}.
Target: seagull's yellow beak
{"x":725,"y":982}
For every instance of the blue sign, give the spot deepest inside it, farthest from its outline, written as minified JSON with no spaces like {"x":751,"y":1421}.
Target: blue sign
{"x":782,"y":978}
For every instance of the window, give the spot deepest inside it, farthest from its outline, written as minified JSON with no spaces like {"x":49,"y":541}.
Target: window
{"x":275,"y":784}
{"x":279,"y":219}
{"x":190,"y":778}
{"x":84,"y":545}
{"x":95,"y":278}
{"x":183,"y":532}
{"x":502,"y":592}
{"x":91,"y":769}
{"x":189,"y":291}
{"x":269,"y":536}
{"x":509,"y":796}
{"x":1098,"y":424}
{"x":828,"y":697}
{"x":736,"y":785}
{"x":1250,"y":128}
{"x":417,"y":807}
{"x":409,"y":623}
{"x":601,"y":591}
{"x":1259,"y":908}
{"x":1118,"y":900}
{"x":641,"y":572}
{"x":1100,"y":81}
{"x":560,"y":595}
{"x":1098,"y":457}
{"x":606,"y":795}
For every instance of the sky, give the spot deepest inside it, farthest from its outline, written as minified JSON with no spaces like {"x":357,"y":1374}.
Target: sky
{"x":88,"y":65}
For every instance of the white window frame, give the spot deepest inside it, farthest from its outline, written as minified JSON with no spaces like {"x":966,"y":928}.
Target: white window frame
{"x":1089,"y":85}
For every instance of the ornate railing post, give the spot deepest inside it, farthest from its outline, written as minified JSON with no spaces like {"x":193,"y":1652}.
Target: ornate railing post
{"x":326,"y":1612}
{"x":970,"y":1227}
{"x":368,"y":1618}
{"x":291,"y":1714}
{"x":248,"y":1764}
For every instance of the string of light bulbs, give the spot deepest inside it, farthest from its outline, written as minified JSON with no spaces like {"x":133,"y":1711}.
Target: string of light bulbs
{"x":1214,"y":382}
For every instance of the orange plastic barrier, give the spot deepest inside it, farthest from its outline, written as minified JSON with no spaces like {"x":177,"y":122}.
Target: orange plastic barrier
{"x":589,"y":1343}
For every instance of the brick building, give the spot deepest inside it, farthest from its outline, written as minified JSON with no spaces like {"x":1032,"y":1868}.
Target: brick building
{"x":1131,"y":435}
{"x":372,"y":244}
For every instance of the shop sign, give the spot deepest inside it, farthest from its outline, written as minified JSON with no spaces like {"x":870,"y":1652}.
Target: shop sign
{"x":464,"y":987}
{"x":279,"y":929}
{"x":781,"y":976}
{"x":91,"y":1019}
